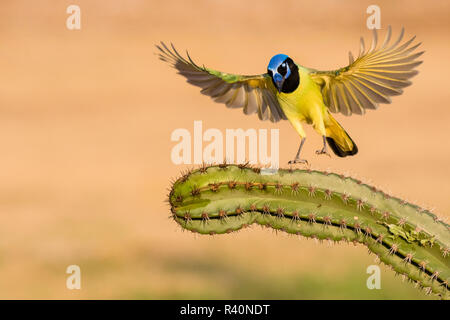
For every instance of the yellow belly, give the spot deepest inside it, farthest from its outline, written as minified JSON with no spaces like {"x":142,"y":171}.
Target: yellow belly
{"x":305,"y":104}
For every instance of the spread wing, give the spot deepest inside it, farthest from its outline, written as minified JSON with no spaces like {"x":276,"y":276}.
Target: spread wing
{"x":372,"y":78}
{"x":255,"y":94}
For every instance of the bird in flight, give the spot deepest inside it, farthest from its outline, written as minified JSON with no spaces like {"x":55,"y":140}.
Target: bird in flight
{"x":289,"y":91}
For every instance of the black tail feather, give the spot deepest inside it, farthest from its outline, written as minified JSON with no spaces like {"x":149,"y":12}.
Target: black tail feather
{"x":338,"y":151}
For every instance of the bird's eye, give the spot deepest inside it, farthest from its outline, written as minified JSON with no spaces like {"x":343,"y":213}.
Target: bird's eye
{"x":283,"y":64}
{"x":282,"y":69}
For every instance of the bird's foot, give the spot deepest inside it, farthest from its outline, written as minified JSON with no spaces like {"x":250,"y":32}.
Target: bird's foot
{"x":323,"y":151}
{"x":302,"y":161}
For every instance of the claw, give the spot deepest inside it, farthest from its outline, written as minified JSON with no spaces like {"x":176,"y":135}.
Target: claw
{"x":302,"y":161}
{"x":323,"y":151}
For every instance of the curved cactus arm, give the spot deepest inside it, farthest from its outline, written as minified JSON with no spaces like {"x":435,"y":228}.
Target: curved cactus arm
{"x":326,"y":206}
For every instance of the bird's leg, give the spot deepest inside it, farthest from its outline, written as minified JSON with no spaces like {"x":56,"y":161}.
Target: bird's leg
{"x":324,"y":149}
{"x":297,"y":157}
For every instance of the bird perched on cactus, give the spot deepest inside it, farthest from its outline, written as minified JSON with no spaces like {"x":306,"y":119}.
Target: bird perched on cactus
{"x":290,"y":91}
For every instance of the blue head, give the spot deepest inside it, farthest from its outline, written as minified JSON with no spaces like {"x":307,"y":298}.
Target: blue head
{"x":284,"y":73}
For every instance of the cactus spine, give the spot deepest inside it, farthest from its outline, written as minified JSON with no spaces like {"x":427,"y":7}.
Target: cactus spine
{"x":325,"y":206}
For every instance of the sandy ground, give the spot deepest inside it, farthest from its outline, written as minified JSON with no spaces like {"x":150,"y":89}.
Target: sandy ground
{"x":85,"y":124}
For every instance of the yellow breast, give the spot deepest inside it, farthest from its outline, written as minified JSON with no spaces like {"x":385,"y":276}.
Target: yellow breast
{"x":305,"y":101}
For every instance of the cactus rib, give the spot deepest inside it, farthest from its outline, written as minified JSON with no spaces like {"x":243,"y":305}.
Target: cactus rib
{"x":325,"y":206}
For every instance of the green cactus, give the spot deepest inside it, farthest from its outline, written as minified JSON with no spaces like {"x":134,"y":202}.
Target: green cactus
{"x":326,"y":206}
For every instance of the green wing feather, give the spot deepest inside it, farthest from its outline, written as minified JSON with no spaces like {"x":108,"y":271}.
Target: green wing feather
{"x":372,"y":78}
{"x":255,"y":94}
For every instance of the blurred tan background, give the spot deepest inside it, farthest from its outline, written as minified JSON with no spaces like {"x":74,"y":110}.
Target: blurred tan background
{"x":85,"y":124}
